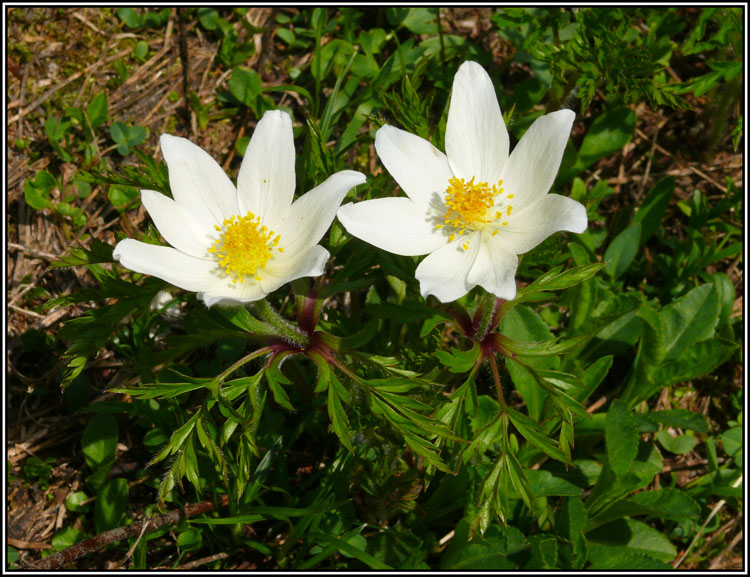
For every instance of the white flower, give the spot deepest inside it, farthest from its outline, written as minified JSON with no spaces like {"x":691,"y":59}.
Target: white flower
{"x":476,"y":207}
{"x":236,"y":245}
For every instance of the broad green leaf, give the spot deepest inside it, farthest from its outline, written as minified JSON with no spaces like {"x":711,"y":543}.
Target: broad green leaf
{"x":610,"y":487}
{"x":67,"y":537}
{"x":689,"y":320}
{"x":543,"y":552}
{"x":622,"y":250}
{"x":650,"y":213}
{"x":96,"y":111}
{"x":634,"y":536}
{"x":570,"y":527}
{"x":681,"y":418}
{"x":679,"y":445}
{"x":110,"y":505}
{"x":660,"y":503}
{"x":349,"y":549}
{"x":122,"y":196}
{"x":621,"y":435}
{"x":190,"y":540}
{"x":524,"y":325}
{"x":245,"y":85}
{"x":543,"y":483}
{"x":74,"y":502}
{"x":698,"y":360}
{"x":610,"y":132}
{"x":99,"y":441}
{"x":489,"y":552}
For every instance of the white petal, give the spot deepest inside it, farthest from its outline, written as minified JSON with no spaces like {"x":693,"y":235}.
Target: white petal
{"x":249,"y":290}
{"x":398,"y":225}
{"x":420,"y":169}
{"x":169,"y":264}
{"x":177,"y":225}
{"x":495,"y":268}
{"x":548,"y":215}
{"x":534,"y":162}
{"x":283,"y":269}
{"x":444,"y":273}
{"x":476,"y":139}
{"x":311,"y":214}
{"x":197,"y":182}
{"x":265,"y":184}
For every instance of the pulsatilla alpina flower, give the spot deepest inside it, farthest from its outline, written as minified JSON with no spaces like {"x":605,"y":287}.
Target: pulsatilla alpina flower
{"x":476,"y":207}
{"x":236,"y":245}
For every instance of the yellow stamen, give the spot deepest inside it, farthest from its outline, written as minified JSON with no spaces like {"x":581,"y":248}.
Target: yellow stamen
{"x":469,"y":204}
{"x":472,"y":206}
{"x":244,"y":247}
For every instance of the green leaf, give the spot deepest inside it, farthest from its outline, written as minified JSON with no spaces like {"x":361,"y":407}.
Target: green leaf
{"x":544,"y":552}
{"x":621,"y":435}
{"x":99,"y":441}
{"x":522,"y":324}
{"x":570,"y":527}
{"x":651,"y":211}
{"x":74,"y":502}
{"x":110,"y":505}
{"x":130,"y":17}
{"x":459,"y":361}
{"x":275,"y":379}
{"x":122,"y":196}
{"x":543,"y":483}
{"x":610,"y":488}
{"x":622,"y":250}
{"x":695,"y":362}
{"x":680,"y":418}
{"x":666,"y":503}
{"x":246,"y":86}
{"x":37,"y":191}
{"x":190,"y":540}
{"x":348,"y":549}
{"x":96,"y":111}
{"x":610,"y":132}
{"x":67,"y":537}
{"x":339,"y":419}
{"x":534,"y":434}
{"x":679,"y":445}
{"x":633,"y":536}
{"x":490,"y":552}
{"x":689,"y":320}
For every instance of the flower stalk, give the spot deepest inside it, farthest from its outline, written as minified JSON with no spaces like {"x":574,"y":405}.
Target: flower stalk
{"x":283,"y":328}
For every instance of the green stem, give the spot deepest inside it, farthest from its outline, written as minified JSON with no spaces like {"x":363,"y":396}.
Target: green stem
{"x":283,"y":328}
{"x":498,"y":384}
{"x":487,"y":308}
{"x":243,"y":361}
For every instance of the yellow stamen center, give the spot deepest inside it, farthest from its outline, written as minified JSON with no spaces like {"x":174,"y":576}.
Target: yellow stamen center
{"x":470,"y":207}
{"x":244,"y":246}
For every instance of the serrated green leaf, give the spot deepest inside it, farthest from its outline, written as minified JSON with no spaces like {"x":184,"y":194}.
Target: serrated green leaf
{"x":459,"y":361}
{"x":533,"y":433}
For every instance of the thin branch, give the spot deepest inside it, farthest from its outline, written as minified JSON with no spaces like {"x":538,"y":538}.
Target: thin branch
{"x":87,"y":546}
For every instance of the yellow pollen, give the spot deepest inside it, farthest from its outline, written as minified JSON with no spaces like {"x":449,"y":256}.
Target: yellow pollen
{"x":244,"y":247}
{"x":469,"y":205}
